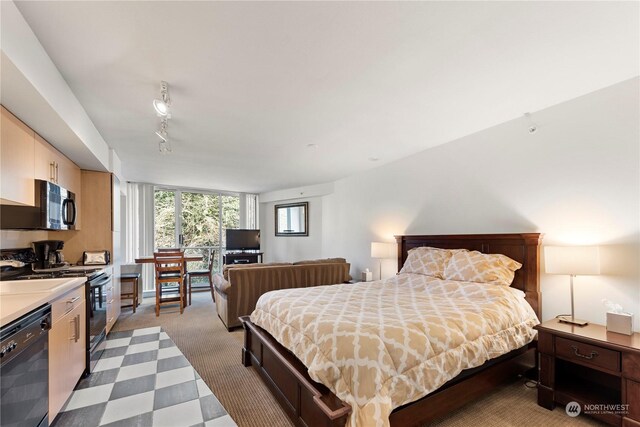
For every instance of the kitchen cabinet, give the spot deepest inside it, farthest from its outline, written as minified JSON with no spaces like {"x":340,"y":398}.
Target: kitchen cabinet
{"x":51,"y":165}
{"x":46,"y":157}
{"x":100,"y":223}
{"x":26,"y":156}
{"x":67,"y":347}
{"x":17,"y":145}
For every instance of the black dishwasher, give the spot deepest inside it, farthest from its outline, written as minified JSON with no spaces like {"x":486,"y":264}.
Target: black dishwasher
{"x":24,"y":370}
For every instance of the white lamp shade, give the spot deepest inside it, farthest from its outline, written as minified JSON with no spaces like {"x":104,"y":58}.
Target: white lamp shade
{"x":572,"y":260}
{"x":383,"y":250}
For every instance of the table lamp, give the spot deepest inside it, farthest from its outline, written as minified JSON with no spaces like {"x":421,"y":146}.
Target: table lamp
{"x":572,"y":261}
{"x":382,"y":251}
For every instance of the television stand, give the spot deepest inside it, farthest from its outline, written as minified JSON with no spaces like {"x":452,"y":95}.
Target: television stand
{"x":243,"y":258}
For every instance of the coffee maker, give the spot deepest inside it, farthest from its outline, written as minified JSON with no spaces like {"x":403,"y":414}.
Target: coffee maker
{"x":49,"y":254}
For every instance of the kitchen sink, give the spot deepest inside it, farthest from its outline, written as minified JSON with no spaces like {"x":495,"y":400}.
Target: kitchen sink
{"x":31,"y":286}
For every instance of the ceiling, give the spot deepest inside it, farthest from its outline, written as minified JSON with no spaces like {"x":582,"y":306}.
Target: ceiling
{"x":254,"y":83}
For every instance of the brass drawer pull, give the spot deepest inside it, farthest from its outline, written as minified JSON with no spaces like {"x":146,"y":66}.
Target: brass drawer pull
{"x":584,"y":356}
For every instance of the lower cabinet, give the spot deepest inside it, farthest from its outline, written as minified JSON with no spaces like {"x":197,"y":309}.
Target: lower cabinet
{"x":67,"y":347}
{"x":113,"y":301}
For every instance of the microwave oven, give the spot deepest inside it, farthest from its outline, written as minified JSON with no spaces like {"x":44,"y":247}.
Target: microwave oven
{"x":55,"y":210}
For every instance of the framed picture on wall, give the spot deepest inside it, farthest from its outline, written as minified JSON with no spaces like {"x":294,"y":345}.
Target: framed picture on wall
{"x":292,"y":219}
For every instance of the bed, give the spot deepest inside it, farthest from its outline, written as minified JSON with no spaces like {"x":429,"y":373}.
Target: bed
{"x":309,"y":403}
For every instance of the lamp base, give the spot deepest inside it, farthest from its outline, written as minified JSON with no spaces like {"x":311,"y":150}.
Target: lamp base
{"x":573,"y":321}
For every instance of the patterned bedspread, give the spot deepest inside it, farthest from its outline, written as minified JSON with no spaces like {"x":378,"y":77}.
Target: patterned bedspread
{"x":380,"y":345}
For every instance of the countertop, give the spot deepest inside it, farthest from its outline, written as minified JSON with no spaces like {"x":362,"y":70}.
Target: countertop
{"x":12,"y":306}
{"x":76,"y":268}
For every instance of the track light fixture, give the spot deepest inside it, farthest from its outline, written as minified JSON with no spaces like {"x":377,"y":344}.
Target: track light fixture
{"x":164,"y":147}
{"x":162,"y":105}
{"x":162,"y":132}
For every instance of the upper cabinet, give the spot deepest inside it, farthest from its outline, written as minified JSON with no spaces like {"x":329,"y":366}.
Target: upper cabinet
{"x":26,"y":156}
{"x":45,"y":161}
{"x":51,"y":165}
{"x":17,"y":145}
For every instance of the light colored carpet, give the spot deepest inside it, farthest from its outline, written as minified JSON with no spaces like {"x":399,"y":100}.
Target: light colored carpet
{"x":216,"y":355}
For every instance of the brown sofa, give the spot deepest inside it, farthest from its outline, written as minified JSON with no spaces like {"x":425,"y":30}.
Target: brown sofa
{"x":239,"y":287}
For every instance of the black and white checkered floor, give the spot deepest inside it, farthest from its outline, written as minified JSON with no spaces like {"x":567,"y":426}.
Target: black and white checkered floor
{"x":143,"y":379}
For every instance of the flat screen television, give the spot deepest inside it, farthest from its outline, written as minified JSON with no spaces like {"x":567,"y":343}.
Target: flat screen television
{"x":242,"y":240}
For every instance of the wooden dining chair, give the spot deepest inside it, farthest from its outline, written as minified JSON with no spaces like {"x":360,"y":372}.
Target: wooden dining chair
{"x":170,"y":268}
{"x":208,"y":273}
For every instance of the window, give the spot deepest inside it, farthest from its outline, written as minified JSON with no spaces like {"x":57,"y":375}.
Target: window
{"x":196,"y":221}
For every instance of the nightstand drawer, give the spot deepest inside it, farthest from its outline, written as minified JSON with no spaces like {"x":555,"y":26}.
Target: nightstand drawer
{"x":588,"y":354}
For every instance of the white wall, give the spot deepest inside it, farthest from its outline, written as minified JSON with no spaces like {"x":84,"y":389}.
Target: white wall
{"x":294,"y":248}
{"x":577,"y":180}
{"x":291,"y":248}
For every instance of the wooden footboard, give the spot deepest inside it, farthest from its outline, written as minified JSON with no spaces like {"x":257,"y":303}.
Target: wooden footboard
{"x":305,"y":401}
{"x":310,"y":404}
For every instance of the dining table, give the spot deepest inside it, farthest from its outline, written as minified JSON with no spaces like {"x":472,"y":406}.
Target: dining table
{"x":187,"y":258}
{"x":149,"y":259}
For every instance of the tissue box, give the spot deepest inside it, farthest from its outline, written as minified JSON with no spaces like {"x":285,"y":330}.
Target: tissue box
{"x":621,"y":323}
{"x":366,"y":276}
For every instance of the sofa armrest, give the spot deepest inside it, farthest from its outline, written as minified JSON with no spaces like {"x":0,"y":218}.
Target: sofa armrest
{"x":220,"y":283}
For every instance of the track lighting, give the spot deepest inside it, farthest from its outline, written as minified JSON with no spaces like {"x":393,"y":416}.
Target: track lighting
{"x":162,"y":105}
{"x":162,"y":133}
{"x":164,"y":147}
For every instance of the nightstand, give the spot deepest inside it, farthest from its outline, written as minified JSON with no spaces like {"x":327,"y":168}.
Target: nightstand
{"x":592,"y":367}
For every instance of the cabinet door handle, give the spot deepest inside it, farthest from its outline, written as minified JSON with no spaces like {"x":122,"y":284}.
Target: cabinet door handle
{"x":584,"y":356}
{"x":57,"y":176}
{"x":52,"y":174}
{"x":72,"y":300}
{"x":77,"y":328}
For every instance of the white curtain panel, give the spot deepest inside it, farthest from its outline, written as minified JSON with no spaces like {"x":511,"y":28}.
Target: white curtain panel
{"x":139,"y":216}
{"x":251,"y":211}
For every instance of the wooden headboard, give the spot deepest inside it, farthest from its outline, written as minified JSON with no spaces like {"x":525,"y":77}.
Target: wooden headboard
{"x":524,"y":248}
